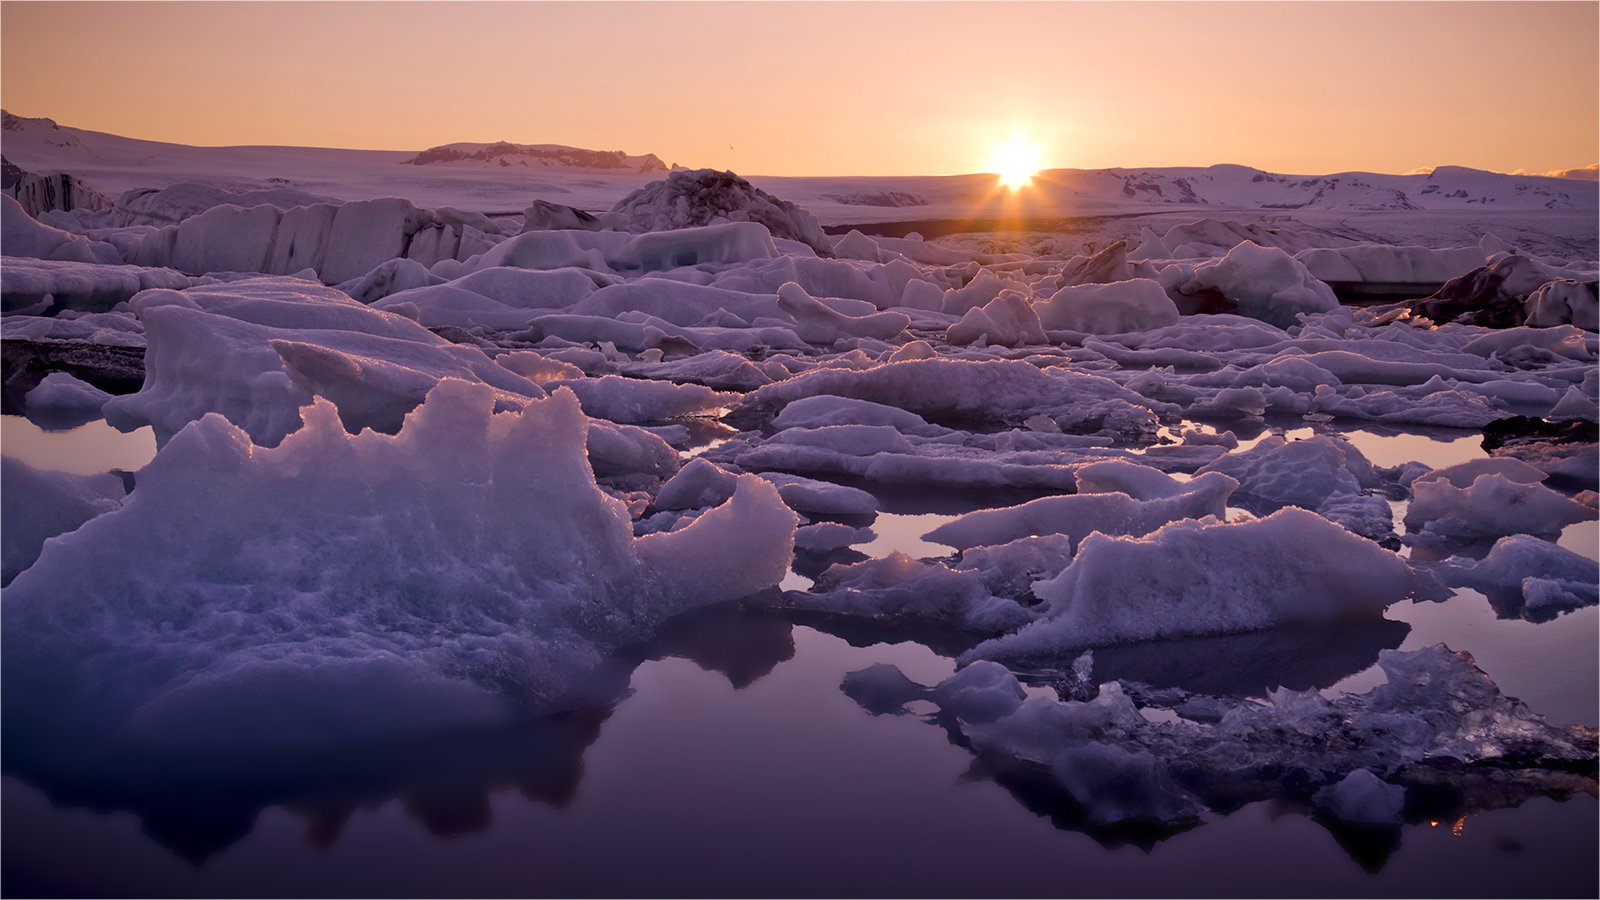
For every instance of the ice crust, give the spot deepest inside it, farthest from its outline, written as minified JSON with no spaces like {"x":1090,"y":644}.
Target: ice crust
{"x":347,"y":587}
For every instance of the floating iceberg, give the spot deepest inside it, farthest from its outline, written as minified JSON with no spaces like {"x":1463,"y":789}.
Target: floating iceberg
{"x":339,"y":588}
{"x":1206,"y":577}
{"x":257,"y":350}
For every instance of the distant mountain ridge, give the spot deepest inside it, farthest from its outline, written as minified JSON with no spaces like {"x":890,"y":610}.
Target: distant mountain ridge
{"x":507,"y":154}
{"x":505,"y":176}
{"x":19,"y":124}
{"x":1446,"y":187}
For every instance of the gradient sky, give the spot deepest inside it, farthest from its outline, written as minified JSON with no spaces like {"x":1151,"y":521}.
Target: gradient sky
{"x":837,"y":88}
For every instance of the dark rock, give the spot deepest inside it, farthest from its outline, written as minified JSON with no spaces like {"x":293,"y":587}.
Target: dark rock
{"x":549,"y":155}
{"x":879,"y":197}
{"x":1515,"y":430}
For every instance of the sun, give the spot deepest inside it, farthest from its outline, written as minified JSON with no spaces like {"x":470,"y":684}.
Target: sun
{"x":1016,"y":162}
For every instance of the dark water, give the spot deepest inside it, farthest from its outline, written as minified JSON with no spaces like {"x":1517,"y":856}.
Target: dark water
{"x":782,"y":788}
{"x":738,"y":768}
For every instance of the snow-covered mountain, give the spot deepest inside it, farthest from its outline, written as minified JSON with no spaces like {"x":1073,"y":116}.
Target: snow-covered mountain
{"x":1446,"y":187}
{"x":507,"y":177}
{"x":469,"y":176}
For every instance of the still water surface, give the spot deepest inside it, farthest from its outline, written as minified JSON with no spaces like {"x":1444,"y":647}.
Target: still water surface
{"x":738,"y":768}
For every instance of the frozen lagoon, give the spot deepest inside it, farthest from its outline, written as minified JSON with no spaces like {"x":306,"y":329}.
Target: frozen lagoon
{"x":783,"y":786}
{"x":802,"y":759}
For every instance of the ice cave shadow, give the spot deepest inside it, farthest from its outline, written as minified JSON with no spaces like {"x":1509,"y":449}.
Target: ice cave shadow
{"x":198,"y":803}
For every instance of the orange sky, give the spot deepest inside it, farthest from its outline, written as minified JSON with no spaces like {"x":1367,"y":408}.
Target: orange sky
{"x":835,"y":88}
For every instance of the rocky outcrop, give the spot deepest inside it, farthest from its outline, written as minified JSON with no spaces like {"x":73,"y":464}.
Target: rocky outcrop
{"x":506,"y":154}
{"x":879,"y":197}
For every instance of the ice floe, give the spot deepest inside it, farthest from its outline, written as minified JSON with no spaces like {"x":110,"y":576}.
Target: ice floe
{"x":358,"y":586}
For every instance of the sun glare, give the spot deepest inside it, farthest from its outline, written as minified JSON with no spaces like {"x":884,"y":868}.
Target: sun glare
{"x":1016,"y":163}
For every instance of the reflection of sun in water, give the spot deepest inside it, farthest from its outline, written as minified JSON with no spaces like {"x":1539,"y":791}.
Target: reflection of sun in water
{"x":1016,"y":162}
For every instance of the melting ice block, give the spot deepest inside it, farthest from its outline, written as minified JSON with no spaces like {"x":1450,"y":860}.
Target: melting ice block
{"x":1380,"y":262}
{"x":690,"y":198}
{"x":1528,"y":577}
{"x":982,"y":692}
{"x":1118,"y":785}
{"x":257,"y":350}
{"x":1304,"y":472}
{"x":1079,"y":515}
{"x":498,"y":297}
{"x":818,"y":323}
{"x":1205,"y":577}
{"x":697,"y":485}
{"x":1007,"y":320}
{"x":77,"y":285}
{"x":340,"y":587}
{"x":1363,"y":797}
{"x":901,"y":587}
{"x":633,"y":400}
{"x":1491,"y":505}
{"x":989,"y":390}
{"x":1140,"y":304}
{"x":59,"y":390}
{"x":1265,"y":283}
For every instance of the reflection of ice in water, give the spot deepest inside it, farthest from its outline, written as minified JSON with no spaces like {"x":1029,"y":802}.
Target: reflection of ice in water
{"x":897,"y":532}
{"x":1392,"y":450}
{"x":1446,"y":448}
{"x":903,"y":533}
{"x":1582,"y":538}
{"x":86,"y":450}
